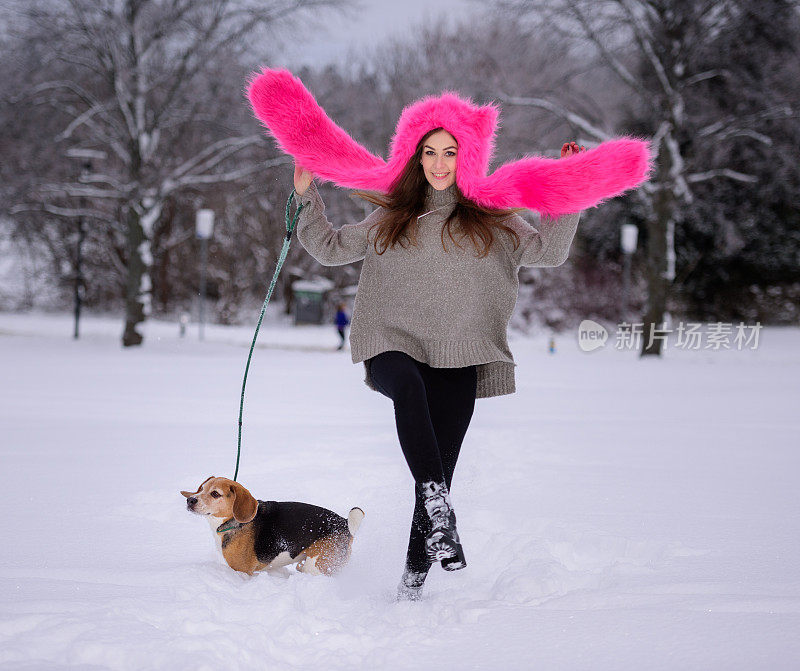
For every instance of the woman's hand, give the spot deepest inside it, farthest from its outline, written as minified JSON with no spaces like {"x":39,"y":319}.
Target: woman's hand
{"x":570,"y":148}
{"x":302,"y":179}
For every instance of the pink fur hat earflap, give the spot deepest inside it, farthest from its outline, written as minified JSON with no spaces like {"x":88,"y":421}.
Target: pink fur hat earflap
{"x":550,"y":186}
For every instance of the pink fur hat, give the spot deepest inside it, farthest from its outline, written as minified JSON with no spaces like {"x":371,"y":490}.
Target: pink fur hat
{"x":551,"y":186}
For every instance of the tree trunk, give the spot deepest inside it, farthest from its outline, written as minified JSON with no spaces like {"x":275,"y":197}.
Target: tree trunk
{"x":134,"y":302}
{"x":658,"y":228}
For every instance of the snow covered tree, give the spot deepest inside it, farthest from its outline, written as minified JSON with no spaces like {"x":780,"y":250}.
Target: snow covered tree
{"x":741,"y":241}
{"x":654,"y":48}
{"x":139,"y":81}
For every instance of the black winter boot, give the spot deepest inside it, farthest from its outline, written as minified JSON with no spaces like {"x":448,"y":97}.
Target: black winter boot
{"x":442,"y":543}
{"x":410,"y":587}
{"x":457,"y":562}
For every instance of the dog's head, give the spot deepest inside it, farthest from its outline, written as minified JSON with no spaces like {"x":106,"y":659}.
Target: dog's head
{"x":224,"y":498}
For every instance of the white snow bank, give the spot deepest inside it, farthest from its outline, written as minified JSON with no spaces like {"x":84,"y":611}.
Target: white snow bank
{"x":616,"y":513}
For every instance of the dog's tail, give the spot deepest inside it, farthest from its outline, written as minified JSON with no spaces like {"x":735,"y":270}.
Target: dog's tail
{"x":354,"y":520}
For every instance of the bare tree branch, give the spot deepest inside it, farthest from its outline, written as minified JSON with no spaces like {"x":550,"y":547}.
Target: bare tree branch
{"x":721,"y":172}
{"x":569,"y":116}
{"x":600,"y":44}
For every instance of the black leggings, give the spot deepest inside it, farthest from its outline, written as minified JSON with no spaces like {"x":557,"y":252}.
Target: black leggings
{"x":433,"y":408}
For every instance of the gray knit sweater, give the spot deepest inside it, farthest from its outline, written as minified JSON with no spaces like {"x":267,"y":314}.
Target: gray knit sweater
{"x":445,"y":308}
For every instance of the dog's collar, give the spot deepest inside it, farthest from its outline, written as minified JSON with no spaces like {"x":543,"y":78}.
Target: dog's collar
{"x":229,"y":525}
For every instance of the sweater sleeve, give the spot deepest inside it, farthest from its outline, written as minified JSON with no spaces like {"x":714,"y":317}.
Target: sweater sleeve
{"x":329,"y":246}
{"x":545,"y":246}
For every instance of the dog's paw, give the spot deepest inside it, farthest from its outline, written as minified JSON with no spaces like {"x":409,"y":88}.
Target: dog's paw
{"x":280,"y":572}
{"x":309,"y":566}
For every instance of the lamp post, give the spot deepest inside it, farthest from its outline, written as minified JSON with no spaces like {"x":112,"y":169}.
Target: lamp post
{"x":86,"y":155}
{"x":204,"y":228}
{"x":87,"y":169}
{"x":628,"y":236}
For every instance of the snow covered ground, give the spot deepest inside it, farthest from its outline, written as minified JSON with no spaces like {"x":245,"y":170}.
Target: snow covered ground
{"x":616,"y":513}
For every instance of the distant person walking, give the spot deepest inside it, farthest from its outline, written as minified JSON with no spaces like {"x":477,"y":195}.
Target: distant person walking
{"x":342,"y":321}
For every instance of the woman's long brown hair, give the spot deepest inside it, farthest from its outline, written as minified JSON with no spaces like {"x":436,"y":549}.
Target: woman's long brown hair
{"x":406,"y":201}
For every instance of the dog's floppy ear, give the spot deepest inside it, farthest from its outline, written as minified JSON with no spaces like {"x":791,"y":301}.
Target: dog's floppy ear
{"x":244,"y":504}
{"x":188,"y":494}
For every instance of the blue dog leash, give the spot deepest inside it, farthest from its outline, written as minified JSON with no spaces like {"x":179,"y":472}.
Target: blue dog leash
{"x":290,"y":225}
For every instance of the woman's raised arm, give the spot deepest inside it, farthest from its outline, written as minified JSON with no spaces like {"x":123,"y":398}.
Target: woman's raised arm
{"x":329,"y":246}
{"x":548,"y":244}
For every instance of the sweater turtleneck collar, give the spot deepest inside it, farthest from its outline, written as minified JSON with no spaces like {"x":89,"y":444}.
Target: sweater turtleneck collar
{"x":435,"y":198}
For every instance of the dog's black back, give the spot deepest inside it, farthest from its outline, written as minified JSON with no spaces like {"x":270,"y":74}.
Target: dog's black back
{"x":290,"y":526}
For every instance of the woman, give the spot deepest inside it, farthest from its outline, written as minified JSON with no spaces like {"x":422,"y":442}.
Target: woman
{"x":430,"y":319}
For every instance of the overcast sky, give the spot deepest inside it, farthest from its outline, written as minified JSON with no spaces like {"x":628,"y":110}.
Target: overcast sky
{"x":330,"y":40}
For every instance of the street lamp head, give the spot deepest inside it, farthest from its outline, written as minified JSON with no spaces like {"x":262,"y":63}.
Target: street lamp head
{"x":204,"y":224}
{"x":628,"y":236}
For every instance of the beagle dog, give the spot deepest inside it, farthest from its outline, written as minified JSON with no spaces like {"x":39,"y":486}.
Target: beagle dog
{"x":269,"y":535}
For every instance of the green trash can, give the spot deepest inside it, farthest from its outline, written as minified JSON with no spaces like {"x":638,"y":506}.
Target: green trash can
{"x":309,"y":300}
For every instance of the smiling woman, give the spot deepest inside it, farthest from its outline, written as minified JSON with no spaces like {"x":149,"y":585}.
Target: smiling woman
{"x":430,"y":320}
{"x":428,"y":181}
{"x":439,"y":162}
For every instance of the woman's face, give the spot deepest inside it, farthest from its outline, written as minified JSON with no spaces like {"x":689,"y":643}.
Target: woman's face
{"x":439,"y":153}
